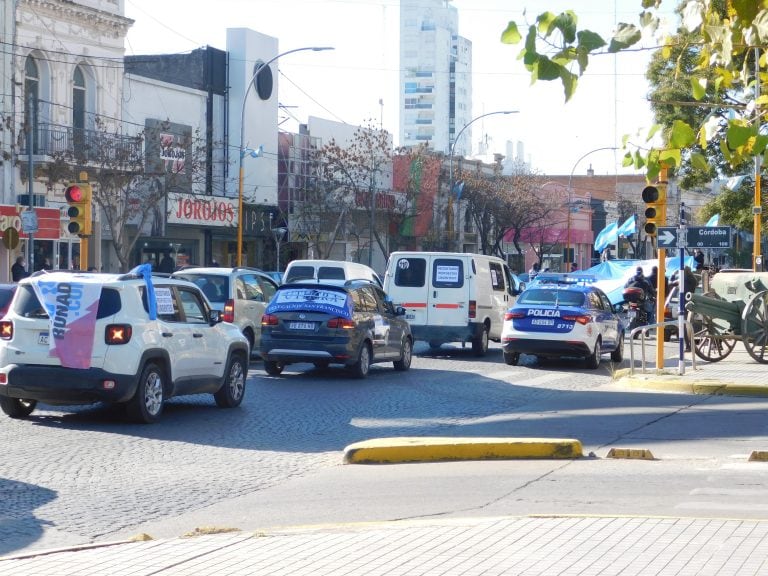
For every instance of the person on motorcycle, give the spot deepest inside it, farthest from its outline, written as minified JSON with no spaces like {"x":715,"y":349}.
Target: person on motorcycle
{"x":646,"y":302}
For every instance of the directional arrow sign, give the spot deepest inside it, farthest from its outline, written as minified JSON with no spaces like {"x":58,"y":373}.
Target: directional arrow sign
{"x":667,"y":237}
{"x":709,"y":237}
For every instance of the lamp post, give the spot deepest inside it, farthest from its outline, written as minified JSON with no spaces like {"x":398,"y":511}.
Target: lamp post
{"x":453,"y":145}
{"x":570,"y":192}
{"x":242,"y":142}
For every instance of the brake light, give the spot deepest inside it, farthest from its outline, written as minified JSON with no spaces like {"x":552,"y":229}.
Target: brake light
{"x":580,"y":318}
{"x":473,"y":308}
{"x":6,"y":330}
{"x":514,"y":315}
{"x":118,"y":333}
{"x":229,"y":311}
{"x":269,"y":320}
{"x":344,"y":323}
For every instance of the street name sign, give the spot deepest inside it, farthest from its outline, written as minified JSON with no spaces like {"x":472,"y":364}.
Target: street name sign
{"x":666,"y":237}
{"x":709,"y":237}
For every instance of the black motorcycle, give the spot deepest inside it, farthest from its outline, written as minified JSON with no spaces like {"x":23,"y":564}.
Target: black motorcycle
{"x":638,"y":304}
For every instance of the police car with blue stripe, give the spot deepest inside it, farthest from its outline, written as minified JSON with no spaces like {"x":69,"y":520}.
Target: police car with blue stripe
{"x":563,"y":316}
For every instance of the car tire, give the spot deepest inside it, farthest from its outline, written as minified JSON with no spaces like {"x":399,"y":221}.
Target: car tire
{"x":618,"y":354}
{"x":406,"y":355}
{"x":17,"y":407}
{"x":231,"y":393}
{"x":480,"y":343}
{"x":273,"y":368}
{"x":593,"y":360}
{"x":146,"y":406}
{"x":361,"y":368}
{"x":512,"y":358}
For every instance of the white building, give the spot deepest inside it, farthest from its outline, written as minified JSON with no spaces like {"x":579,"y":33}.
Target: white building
{"x":435,"y":77}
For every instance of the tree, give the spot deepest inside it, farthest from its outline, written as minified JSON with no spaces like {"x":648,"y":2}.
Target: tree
{"x":339,"y":200}
{"x":129,"y":185}
{"x":723,"y":42}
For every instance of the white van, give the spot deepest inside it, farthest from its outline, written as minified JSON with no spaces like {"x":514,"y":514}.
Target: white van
{"x":451,"y":296}
{"x":333,"y":271}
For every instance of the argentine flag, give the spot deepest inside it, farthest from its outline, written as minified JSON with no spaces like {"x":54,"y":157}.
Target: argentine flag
{"x":628,"y":227}
{"x":714,"y":221}
{"x":607,"y":236}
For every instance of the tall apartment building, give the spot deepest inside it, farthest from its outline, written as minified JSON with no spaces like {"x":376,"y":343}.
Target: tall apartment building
{"x":435,"y":77}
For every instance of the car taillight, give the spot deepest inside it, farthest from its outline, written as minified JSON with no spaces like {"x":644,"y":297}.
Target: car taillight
{"x":268,"y":320}
{"x":6,"y":330}
{"x":118,"y":333}
{"x":344,"y":323}
{"x":514,"y":315}
{"x":580,"y":318}
{"x":229,"y":311}
{"x":473,"y":308}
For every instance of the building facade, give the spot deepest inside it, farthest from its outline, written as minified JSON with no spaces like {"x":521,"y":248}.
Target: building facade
{"x":435,"y":77}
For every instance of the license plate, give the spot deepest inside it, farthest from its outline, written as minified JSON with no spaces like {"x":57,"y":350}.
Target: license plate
{"x":301,"y":325}
{"x":410,"y":316}
{"x":542,"y":322}
{"x":42,"y":338}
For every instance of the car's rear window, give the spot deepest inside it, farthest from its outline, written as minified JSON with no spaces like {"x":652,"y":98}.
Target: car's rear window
{"x":28,"y":306}
{"x":330,"y":273}
{"x":550,"y":297}
{"x":447,"y":273}
{"x":300,"y":273}
{"x":5,"y":296}
{"x":214,"y":286}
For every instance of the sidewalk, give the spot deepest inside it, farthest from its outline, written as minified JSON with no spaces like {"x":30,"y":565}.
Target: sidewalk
{"x":489,"y":546}
{"x":542,"y":545}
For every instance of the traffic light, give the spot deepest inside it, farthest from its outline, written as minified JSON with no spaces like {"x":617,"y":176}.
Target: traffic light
{"x":79,"y":199}
{"x":655,"y":198}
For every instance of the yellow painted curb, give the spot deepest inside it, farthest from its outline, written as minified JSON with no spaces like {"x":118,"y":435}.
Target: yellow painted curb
{"x":695,"y":386}
{"x":433,"y":449}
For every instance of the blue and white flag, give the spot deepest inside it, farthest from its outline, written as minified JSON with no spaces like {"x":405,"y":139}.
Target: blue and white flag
{"x":607,"y":236}
{"x":458,"y":188}
{"x":628,"y":227}
{"x":714,"y":221}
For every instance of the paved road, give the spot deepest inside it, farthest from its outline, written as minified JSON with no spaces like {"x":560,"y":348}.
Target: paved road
{"x":75,"y":477}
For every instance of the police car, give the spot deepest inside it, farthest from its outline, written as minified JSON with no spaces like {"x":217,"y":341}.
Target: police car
{"x":563,"y":316}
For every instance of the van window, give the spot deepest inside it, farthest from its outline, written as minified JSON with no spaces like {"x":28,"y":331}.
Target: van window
{"x":497,"y":276}
{"x":447,"y":273}
{"x":411,"y":272}
{"x":330,"y":273}
{"x":300,"y":273}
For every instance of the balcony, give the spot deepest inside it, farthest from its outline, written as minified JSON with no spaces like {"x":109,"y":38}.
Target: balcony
{"x":83,"y":145}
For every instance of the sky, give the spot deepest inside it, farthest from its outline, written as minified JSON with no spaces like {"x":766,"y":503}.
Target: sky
{"x":357,"y":83}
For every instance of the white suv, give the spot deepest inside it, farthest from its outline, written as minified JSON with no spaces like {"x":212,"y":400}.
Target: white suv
{"x":100,"y":343}
{"x":241,"y":294}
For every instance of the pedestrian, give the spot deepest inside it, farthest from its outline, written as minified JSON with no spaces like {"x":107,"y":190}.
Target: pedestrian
{"x":18,"y":271}
{"x":699,"y":259}
{"x":534,"y":271}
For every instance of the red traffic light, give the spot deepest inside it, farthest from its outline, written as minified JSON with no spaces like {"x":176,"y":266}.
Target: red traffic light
{"x":74,"y":194}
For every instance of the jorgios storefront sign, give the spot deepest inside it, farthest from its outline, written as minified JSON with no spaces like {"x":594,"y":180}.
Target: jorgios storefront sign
{"x":201,"y":210}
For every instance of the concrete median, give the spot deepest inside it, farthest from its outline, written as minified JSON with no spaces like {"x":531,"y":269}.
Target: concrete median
{"x":436,"y":449}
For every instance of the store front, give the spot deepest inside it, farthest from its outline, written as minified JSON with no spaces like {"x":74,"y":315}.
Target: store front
{"x":203,"y":227}
{"x":43,"y":248}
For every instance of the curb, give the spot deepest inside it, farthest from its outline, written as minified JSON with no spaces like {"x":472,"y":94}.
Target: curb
{"x":440,"y":448}
{"x":700,"y":386}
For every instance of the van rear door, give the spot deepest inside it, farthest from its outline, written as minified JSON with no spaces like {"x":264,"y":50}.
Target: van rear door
{"x":407,"y":286}
{"x":448,"y":294}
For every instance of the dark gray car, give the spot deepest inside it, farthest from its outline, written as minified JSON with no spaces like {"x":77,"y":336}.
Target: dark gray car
{"x":354,"y":325}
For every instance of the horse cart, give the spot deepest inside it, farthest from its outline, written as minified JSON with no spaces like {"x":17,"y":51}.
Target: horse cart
{"x":735,"y":308}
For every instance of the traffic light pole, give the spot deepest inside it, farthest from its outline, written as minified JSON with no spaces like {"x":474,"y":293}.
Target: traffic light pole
{"x":661,"y":296}
{"x":682,"y":244}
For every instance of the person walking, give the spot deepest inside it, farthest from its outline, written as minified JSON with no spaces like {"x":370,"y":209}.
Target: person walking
{"x":18,"y":271}
{"x":534,"y":271}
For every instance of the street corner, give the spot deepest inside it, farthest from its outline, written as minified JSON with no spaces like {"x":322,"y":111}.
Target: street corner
{"x":441,"y":449}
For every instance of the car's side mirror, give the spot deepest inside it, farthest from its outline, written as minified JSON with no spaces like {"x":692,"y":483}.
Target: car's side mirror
{"x":618,"y":308}
{"x":215,"y":317}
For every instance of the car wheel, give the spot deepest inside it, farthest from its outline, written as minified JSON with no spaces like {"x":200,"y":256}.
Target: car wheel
{"x":361,"y":368}
{"x":17,"y":407}
{"x":593,"y":360}
{"x":273,"y":368}
{"x":406,"y":355}
{"x":512,"y":358}
{"x":232,"y":391}
{"x":147,"y":403}
{"x":618,"y":354}
{"x":480,"y":343}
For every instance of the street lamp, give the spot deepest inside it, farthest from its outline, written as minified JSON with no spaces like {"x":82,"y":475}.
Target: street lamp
{"x":243,"y":150}
{"x":453,"y":145}
{"x":570,"y":192}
